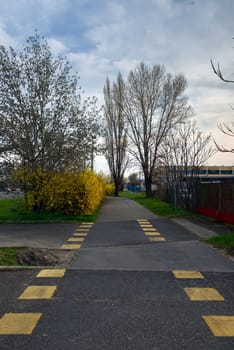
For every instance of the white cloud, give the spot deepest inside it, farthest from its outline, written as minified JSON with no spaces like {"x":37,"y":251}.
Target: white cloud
{"x":5,"y":38}
{"x":115,"y":35}
{"x":57,"y":47}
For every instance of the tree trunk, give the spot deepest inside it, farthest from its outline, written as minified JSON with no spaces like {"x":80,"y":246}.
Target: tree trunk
{"x":116,"y":188}
{"x":148,"y":183}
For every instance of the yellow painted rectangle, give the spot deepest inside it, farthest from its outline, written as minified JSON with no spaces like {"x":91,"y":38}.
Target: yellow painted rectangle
{"x":146,"y":226}
{"x":38,"y":292}
{"x":85,"y":227}
{"x":51,"y":273}
{"x":75,"y":239}
{"x":19,"y":323}
{"x":148,"y":229}
{"x":70,"y":246}
{"x":80,"y":234}
{"x":87,"y":223}
{"x":152,"y":233}
{"x":187,"y":274}
{"x":82,"y":230}
{"x":156,"y":239}
{"x":220,"y":326}
{"x":206,"y":294}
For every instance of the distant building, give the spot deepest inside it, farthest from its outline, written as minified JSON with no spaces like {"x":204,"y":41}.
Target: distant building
{"x":204,"y":173}
{"x":213,"y":173}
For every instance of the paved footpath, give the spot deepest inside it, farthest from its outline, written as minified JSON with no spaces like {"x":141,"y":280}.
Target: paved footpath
{"x":138,"y":282}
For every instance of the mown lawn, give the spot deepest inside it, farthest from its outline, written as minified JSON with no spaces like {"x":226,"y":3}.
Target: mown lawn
{"x":156,"y":205}
{"x":13,"y":210}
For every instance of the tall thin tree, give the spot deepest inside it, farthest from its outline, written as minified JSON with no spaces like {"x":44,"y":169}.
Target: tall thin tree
{"x":115,"y":130}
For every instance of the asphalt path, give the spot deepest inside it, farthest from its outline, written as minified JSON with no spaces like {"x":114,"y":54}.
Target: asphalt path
{"x":35,"y":235}
{"x":120,"y":292}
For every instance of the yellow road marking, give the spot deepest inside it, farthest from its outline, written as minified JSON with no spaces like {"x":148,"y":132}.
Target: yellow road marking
{"x":38,"y":292}
{"x":80,"y":234}
{"x":70,"y":246}
{"x":87,"y":223}
{"x":148,"y":229}
{"x":19,"y":323}
{"x":187,"y":274}
{"x":152,"y":233}
{"x":220,"y":326}
{"x":51,"y":273}
{"x":85,"y":226}
{"x":199,"y":294}
{"x":146,"y":225}
{"x":156,"y":239}
{"x":75,"y":239}
{"x":82,"y":230}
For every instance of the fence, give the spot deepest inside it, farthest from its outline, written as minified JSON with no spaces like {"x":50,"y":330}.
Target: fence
{"x":216,"y":200}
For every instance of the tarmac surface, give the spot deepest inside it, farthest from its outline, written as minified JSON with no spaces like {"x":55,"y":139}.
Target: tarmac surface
{"x":121,"y":290}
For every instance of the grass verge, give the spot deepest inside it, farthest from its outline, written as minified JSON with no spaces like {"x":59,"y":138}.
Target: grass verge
{"x":8,"y":257}
{"x":14,"y":211}
{"x":156,"y":205}
{"x":225,"y":241}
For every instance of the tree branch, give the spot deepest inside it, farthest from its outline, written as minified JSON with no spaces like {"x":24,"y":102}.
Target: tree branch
{"x":218,"y":72}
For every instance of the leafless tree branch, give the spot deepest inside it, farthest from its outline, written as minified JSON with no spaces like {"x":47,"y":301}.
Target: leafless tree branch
{"x":219,"y":73}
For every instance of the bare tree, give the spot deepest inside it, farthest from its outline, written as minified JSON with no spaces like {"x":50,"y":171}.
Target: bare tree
{"x":154,"y":105}
{"x":115,"y":131}
{"x":227,"y":129}
{"x":184,"y":151}
{"x":218,"y":72}
{"x":134,"y":179}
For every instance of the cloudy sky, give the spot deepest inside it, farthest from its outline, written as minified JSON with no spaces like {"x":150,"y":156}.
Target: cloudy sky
{"x":102,"y":37}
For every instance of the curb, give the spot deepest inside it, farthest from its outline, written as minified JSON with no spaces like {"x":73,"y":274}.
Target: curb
{"x":15,"y":268}
{"x":194,"y":228}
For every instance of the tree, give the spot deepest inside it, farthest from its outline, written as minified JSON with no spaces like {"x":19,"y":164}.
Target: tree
{"x":154,"y":105}
{"x":227,"y":129}
{"x":134,"y":179}
{"x":183,"y":152}
{"x":115,"y":131}
{"x":43,"y":120}
{"x":218,"y":72}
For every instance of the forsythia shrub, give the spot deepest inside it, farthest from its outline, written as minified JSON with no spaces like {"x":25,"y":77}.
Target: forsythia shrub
{"x":109,"y":189}
{"x":68,"y":192}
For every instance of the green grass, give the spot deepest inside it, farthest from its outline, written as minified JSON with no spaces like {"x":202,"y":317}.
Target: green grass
{"x":155,"y":204}
{"x":225,"y":241}
{"x":13,"y":210}
{"x":8,"y":257}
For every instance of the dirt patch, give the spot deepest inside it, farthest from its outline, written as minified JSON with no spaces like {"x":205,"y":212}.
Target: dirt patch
{"x":45,"y":257}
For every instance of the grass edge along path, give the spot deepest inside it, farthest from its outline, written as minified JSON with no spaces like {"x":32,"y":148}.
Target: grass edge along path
{"x":157,"y":206}
{"x":225,"y":242}
{"x":13,"y":211}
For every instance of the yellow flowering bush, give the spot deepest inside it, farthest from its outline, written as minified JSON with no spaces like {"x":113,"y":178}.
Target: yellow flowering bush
{"x":69,"y":192}
{"x":109,"y":189}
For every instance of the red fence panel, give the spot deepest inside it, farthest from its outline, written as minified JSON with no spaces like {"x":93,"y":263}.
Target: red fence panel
{"x":216,"y":200}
